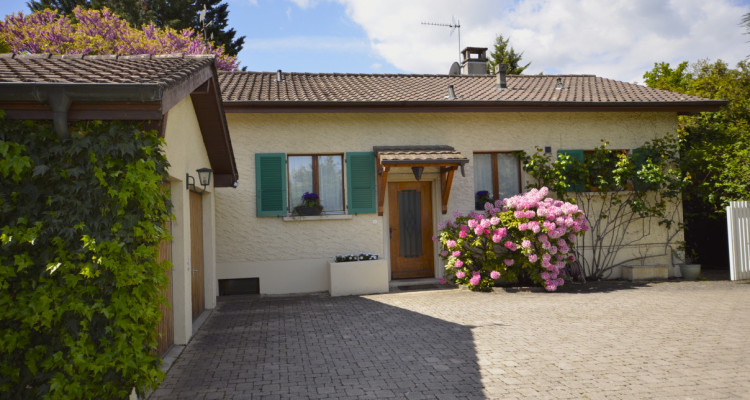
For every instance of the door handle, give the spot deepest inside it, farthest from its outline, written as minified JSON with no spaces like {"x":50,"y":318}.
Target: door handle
{"x":390,"y":233}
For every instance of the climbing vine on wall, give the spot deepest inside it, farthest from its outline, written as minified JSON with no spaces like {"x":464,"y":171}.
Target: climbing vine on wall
{"x":80,"y":221}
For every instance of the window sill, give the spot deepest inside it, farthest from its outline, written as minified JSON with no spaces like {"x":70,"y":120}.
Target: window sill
{"x":316,"y":217}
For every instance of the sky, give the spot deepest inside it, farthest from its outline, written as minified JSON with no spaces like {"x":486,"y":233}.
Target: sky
{"x":618,"y":39}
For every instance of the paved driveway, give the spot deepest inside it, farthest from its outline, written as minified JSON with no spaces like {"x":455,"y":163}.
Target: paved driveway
{"x":670,"y":340}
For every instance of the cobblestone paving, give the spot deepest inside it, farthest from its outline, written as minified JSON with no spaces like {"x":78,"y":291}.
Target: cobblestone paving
{"x":669,"y":340}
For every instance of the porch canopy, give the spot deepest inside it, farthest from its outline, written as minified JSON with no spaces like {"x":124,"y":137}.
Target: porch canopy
{"x":445,"y":159}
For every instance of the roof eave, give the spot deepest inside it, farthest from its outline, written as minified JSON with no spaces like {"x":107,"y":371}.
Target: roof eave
{"x":680,"y":107}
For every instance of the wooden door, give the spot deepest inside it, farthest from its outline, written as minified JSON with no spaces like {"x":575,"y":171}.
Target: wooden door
{"x":165,"y":329}
{"x":410,"y":220}
{"x":196,"y":252}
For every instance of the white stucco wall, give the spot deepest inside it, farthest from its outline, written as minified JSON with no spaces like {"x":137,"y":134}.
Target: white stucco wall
{"x":291,"y":256}
{"x":186,"y":153}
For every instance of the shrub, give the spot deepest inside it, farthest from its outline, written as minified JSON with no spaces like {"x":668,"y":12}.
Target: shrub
{"x":80,"y":220}
{"x":529,"y":236}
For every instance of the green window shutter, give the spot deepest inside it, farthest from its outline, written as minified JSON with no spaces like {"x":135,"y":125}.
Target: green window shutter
{"x":640,"y":156}
{"x":360,"y":182}
{"x":576,"y":155}
{"x":270,"y":184}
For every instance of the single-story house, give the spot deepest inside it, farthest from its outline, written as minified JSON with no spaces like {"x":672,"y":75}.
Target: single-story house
{"x":390,"y":156}
{"x":361,"y":141}
{"x":179,"y":96}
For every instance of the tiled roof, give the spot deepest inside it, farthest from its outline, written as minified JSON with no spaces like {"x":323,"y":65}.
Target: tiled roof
{"x":166,"y":70}
{"x":419,"y":155}
{"x":109,"y":87}
{"x":310,"y":88}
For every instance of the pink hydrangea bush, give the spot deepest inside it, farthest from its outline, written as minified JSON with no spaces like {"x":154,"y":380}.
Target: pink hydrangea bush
{"x":528,"y":235}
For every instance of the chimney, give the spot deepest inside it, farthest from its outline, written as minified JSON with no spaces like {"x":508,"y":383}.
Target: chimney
{"x":474,"y":61}
{"x":500,"y":70}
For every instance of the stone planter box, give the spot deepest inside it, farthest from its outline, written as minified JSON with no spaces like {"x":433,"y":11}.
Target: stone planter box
{"x":358,"y":277}
{"x":645,"y":272}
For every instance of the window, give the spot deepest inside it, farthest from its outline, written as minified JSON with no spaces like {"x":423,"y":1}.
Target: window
{"x":322,"y":174}
{"x":282,"y":179}
{"x":497,"y":175}
{"x":599,"y":166}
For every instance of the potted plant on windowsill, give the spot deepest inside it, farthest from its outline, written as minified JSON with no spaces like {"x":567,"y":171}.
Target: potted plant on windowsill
{"x":310,"y":205}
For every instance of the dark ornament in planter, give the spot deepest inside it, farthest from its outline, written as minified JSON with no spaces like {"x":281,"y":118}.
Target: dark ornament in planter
{"x":305,"y":210}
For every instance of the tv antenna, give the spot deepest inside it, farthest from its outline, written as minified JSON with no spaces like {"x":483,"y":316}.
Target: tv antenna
{"x":453,"y":25}
{"x":205,"y":25}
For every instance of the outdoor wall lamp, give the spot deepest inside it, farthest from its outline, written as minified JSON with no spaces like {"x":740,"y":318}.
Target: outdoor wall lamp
{"x":204,"y":176}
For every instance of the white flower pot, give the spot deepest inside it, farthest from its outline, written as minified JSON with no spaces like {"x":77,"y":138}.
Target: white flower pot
{"x":690,"y":272}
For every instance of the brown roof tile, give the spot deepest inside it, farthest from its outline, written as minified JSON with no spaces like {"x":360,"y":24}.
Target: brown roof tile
{"x":262,"y":88}
{"x":419,"y":155}
{"x":104,"y":69}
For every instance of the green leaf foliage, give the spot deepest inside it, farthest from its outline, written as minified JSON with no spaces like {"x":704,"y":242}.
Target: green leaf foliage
{"x":715,"y":146}
{"x":615,"y":189}
{"x":504,"y":53}
{"x":80,"y":222}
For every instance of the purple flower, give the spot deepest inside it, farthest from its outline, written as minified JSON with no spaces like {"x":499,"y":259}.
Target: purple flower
{"x":510,"y":245}
{"x":526,"y":243}
{"x":475,"y":279}
{"x":442,"y":281}
{"x":494,"y":220}
{"x":310,"y":196}
{"x":434,"y":238}
{"x":444,"y":253}
{"x":459,"y":264}
{"x":451,"y":244}
{"x":495,"y":275}
{"x":533,"y":257}
{"x":508,"y":261}
{"x":460,"y":274}
{"x":456,"y":253}
{"x":462,"y":234}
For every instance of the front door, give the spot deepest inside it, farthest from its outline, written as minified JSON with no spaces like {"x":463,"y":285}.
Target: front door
{"x":196,"y":252}
{"x":410,"y":219}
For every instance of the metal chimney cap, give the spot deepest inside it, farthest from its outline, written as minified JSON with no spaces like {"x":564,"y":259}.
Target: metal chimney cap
{"x":451,"y":93}
{"x":501,"y":68}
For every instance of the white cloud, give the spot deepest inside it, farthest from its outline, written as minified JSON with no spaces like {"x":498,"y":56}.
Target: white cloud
{"x":618,"y":39}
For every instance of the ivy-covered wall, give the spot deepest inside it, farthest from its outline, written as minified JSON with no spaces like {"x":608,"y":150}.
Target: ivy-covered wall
{"x":80,"y":221}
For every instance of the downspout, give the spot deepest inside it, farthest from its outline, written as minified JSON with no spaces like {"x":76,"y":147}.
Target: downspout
{"x":60,"y":104}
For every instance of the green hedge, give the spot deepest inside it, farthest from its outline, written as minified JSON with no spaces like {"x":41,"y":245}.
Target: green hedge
{"x":80,"y":221}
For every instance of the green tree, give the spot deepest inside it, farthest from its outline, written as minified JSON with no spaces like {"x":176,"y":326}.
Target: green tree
{"x":505,"y":54}
{"x":218,"y":14}
{"x":175,"y":14}
{"x":715,"y":147}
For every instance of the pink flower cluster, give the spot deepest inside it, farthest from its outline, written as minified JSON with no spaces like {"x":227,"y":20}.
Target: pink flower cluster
{"x":540,"y":238}
{"x":552,"y":234}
